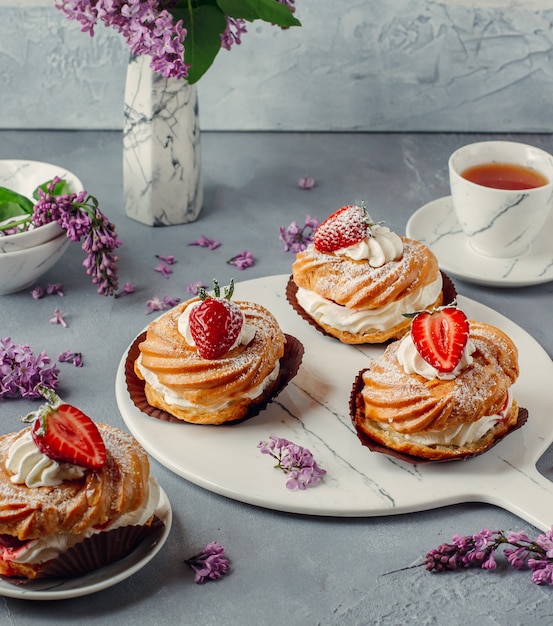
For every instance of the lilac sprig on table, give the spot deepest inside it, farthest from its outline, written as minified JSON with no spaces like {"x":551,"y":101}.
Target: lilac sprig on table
{"x":479,"y":550}
{"x":22,"y":373}
{"x":295,"y":461}
{"x":295,"y":237}
{"x":79,"y":215}
{"x":209,"y":564}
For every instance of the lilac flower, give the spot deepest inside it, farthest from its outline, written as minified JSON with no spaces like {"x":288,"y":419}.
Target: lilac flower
{"x":37,"y":293}
{"x":57,"y":318}
{"x":163,"y":269}
{"x":480,"y":549}
{"x":169,"y":260}
{"x":21,"y":373}
{"x":306,"y":182}
{"x":194,"y":287}
{"x":81,"y":218}
{"x":233,"y":33}
{"x":295,"y":237}
{"x":243,"y":260}
{"x":127,"y":288}
{"x":155,"y":304}
{"x":71,"y":357}
{"x":297,"y":462}
{"x":209,"y":564}
{"x":205,"y":242}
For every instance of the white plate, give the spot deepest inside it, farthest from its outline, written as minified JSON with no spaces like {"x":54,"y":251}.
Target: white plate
{"x":436,"y":225}
{"x":313,"y":412}
{"x":101,"y":578}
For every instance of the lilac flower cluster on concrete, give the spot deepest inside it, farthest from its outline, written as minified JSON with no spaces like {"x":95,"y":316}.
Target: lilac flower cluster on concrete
{"x":479,"y":550}
{"x":51,"y":289}
{"x":295,"y":237}
{"x":76,"y":358}
{"x":209,"y":564}
{"x":297,"y":462}
{"x":78,"y":214}
{"x":22,"y":373}
{"x":243,"y":260}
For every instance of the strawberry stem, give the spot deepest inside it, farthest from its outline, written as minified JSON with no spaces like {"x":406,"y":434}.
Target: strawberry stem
{"x":53,"y":401}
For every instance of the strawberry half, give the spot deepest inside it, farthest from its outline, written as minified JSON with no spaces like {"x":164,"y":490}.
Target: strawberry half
{"x":215,"y":323}
{"x":440,"y":337}
{"x":345,"y":227}
{"x":65,"y":434}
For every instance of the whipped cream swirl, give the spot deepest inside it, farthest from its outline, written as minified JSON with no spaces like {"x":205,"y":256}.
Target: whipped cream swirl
{"x":247,"y":332}
{"x":379,"y":247}
{"x":413,"y":363}
{"x":29,"y":466}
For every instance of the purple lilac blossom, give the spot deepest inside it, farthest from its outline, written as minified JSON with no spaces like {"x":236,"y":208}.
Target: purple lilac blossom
{"x":243,"y":260}
{"x":306,"y":182}
{"x":76,"y":358}
{"x":21,"y":373}
{"x":205,"y":242}
{"x":479,"y":550}
{"x":295,"y":461}
{"x":81,"y":218}
{"x":168,"y":260}
{"x":147,"y":28}
{"x":209,"y":564}
{"x":295,"y":237}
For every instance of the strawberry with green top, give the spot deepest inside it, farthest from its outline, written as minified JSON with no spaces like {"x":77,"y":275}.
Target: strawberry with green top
{"x":345,"y":227}
{"x":440,"y":336}
{"x":65,"y":434}
{"x":215,"y":323}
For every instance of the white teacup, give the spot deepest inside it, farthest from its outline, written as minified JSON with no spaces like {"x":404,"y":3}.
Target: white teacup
{"x":501,"y":222}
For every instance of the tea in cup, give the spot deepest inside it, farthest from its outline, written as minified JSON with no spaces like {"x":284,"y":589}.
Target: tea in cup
{"x":502,"y":194}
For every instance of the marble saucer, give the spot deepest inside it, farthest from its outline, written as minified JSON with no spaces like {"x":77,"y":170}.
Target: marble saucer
{"x":436,"y":225}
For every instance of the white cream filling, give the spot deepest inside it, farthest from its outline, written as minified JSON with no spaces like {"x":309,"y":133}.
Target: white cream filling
{"x":174,"y":399}
{"x":360,"y":321}
{"x":378,"y":248}
{"x":459,"y":434}
{"x":29,"y":466}
{"x":413,"y":363}
{"x":46,"y":548}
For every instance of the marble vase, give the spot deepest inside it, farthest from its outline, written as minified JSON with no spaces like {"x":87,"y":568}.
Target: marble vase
{"x":161,"y":148}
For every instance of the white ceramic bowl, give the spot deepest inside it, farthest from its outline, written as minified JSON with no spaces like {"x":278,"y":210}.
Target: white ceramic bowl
{"x":20,"y":269}
{"x":24,"y":177}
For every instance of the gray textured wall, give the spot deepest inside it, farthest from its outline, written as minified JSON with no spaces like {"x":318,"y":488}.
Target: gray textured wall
{"x":354,"y":65}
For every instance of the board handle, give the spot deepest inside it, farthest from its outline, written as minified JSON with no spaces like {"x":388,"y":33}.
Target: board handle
{"x":526,"y":493}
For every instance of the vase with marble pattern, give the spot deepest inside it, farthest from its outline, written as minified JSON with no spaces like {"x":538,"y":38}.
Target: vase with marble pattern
{"x":161,"y":148}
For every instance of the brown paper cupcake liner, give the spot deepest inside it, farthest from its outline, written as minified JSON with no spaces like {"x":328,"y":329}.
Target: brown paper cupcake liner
{"x":356,"y":409}
{"x":96,"y":552}
{"x":289,"y":365}
{"x":448,"y":291}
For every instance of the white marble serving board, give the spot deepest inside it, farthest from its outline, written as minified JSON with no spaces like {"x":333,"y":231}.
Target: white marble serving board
{"x":313,"y":411}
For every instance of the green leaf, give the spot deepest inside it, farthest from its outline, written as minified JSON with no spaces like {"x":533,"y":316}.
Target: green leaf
{"x":267,"y":10}
{"x":205,"y":25}
{"x":13,"y":204}
{"x":61,"y":188}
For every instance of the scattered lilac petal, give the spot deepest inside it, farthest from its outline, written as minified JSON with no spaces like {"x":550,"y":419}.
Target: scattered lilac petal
{"x":205,"y":242}
{"x":243,"y":260}
{"x":209,"y":564}
{"x":306,"y":182}
{"x":163,"y":269}
{"x":155,"y":304}
{"x":37,"y":293}
{"x":127,"y":288}
{"x":169,"y":260}
{"x":57,"y":318}
{"x":55,"y":289}
{"x":76,"y":358}
{"x":194,"y":287}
